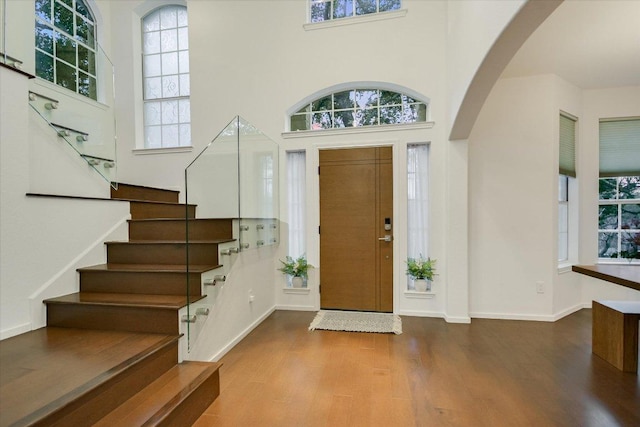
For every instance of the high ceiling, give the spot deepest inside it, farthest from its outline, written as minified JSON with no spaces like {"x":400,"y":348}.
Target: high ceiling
{"x":592,"y":44}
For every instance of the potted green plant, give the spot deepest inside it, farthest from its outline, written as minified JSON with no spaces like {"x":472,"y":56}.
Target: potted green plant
{"x":421,"y":271}
{"x":296,"y":268}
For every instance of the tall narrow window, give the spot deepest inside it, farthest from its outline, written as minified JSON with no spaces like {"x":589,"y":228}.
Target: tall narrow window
{"x":65,"y":38}
{"x":165,"y":52}
{"x":567,"y":174}
{"x":296,"y":197}
{"x":563,"y":218}
{"x":418,"y":200}
{"x":619,"y":207}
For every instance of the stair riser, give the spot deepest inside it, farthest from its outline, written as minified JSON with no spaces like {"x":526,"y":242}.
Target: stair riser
{"x":98,"y":402}
{"x":176,"y":230}
{"x":194,"y":406}
{"x":115,"y":318}
{"x":133,"y":192}
{"x":199,"y":254}
{"x":160,"y":283}
{"x":149,"y":210}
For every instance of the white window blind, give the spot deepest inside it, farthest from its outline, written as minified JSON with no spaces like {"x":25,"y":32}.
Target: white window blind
{"x":296,"y":202}
{"x":418,"y":200}
{"x":567,"y":146}
{"x":619,"y":147}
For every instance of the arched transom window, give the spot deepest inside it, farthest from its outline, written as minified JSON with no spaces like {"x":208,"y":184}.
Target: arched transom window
{"x":359,"y":107}
{"x":66,"y":45}
{"x":326,"y":10}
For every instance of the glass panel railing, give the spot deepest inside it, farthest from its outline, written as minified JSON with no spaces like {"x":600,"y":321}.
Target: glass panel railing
{"x":86,"y":122}
{"x":258,"y":188}
{"x":235,"y":180}
{"x":12,"y":41}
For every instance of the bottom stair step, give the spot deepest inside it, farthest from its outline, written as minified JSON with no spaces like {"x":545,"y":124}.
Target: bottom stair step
{"x":74,"y":377}
{"x":178,"y":397}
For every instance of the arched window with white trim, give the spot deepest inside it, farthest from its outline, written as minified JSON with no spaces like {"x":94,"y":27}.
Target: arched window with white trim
{"x":165,"y":74}
{"x":357,"y":107}
{"x":65,"y":45}
{"x":327,"y":10}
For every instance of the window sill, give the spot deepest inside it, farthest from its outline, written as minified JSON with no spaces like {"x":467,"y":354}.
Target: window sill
{"x":606,"y":261}
{"x":355,"y":20}
{"x":354,"y":130}
{"x":166,"y":150}
{"x":419,"y":295}
{"x":564,"y":267}
{"x":296,"y":291}
{"x":66,"y":93}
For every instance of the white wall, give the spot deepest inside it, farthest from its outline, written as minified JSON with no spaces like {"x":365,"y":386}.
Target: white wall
{"x":44,"y":239}
{"x":599,"y":104}
{"x":513,"y":192}
{"x":243,"y":64}
{"x":512,"y":174}
{"x":472,"y":28}
{"x":232,"y":314}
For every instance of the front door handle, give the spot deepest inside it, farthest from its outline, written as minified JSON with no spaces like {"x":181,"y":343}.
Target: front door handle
{"x":387,"y":238}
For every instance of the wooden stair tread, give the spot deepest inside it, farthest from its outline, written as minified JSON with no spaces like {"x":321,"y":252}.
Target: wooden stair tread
{"x":46,"y":369}
{"x":156,"y":400}
{"x":151,"y":268}
{"x":153,"y":202}
{"x":168,"y":242}
{"x":173,"y":302}
{"x":180,"y":219}
{"x":142,"y":192}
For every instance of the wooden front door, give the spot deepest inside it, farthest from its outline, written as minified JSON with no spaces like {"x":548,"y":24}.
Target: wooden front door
{"x":356,"y":200}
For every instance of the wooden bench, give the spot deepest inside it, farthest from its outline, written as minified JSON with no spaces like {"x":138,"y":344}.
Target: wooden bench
{"x":615,"y":333}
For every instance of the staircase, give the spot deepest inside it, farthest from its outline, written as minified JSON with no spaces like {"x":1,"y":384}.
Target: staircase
{"x":109,"y":353}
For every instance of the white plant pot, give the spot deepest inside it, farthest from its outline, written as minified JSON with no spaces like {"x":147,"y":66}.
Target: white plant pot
{"x":422,"y":285}
{"x":297,"y":281}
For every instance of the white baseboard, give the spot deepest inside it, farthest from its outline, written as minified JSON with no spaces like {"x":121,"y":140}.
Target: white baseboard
{"x":16,"y":330}
{"x":220,"y":354}
{"x":513,"y":316}
{"x":414,"y":313}
{"x":458,"y":319}
{"x":296,"y":307}
{"x":571,"y":310}
{"x":532,"y":317}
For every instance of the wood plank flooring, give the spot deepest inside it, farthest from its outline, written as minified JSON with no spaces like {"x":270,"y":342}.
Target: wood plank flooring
{"x":488,"y":373}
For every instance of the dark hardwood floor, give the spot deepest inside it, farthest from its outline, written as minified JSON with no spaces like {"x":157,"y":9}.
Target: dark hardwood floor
{"x":488,"y":373}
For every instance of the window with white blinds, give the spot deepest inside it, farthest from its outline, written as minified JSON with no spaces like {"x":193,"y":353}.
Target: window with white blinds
{"x":296,"y":201}
{"x":619,"y":188}
{"x":619,"y":147}
{"x":567,"y":146}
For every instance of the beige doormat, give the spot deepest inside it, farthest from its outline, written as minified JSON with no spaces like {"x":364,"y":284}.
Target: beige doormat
{"x":357,"y":321}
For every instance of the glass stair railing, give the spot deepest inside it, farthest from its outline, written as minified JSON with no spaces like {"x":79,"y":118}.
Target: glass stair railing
{"x":235,"y":177}
{"x":86,"y":126}
{"x":8,"y":47}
